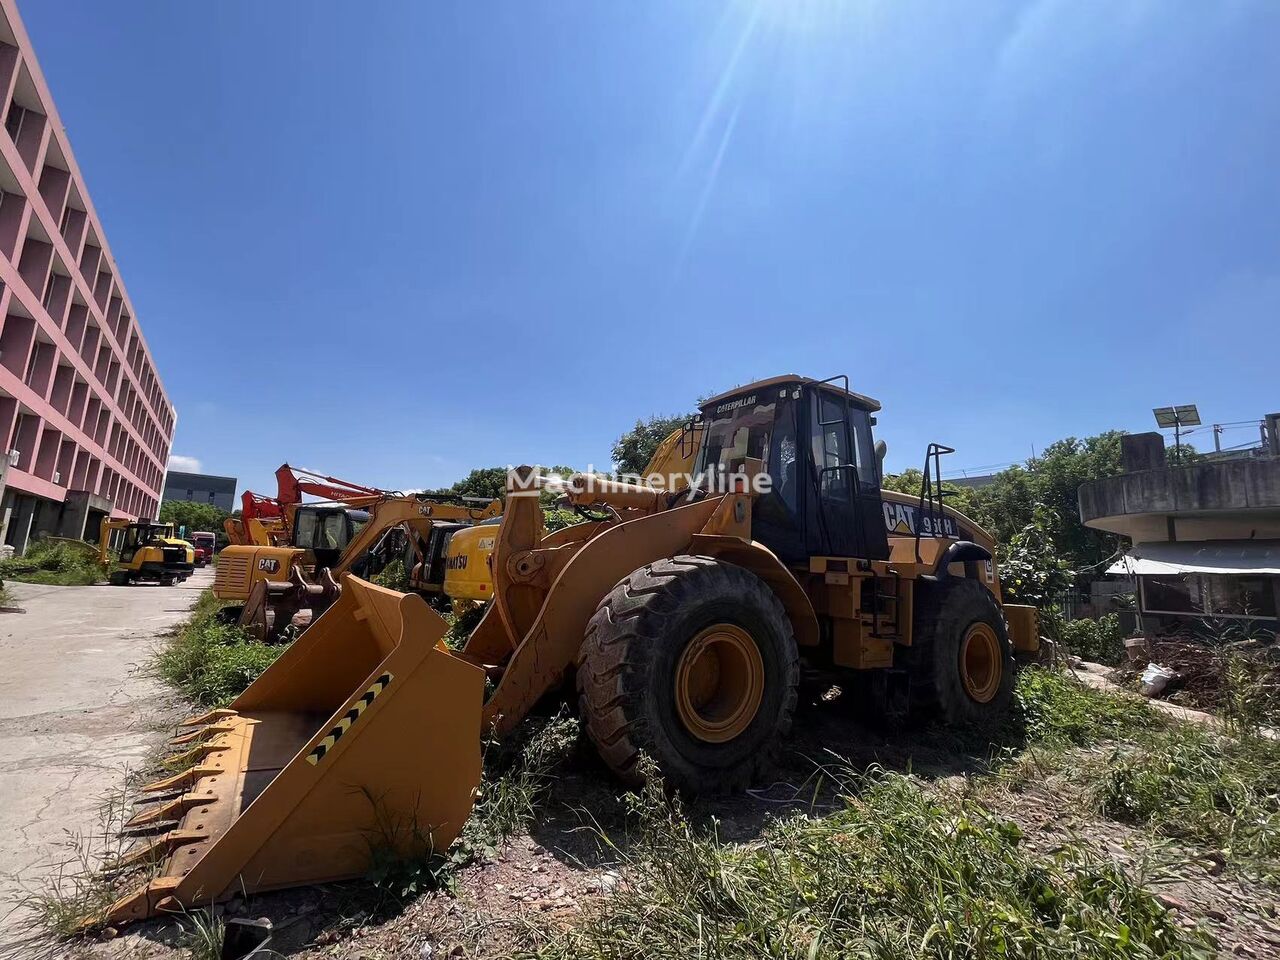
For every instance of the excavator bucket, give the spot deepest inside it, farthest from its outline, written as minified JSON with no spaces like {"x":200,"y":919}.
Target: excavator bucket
{"x":363,"y":736}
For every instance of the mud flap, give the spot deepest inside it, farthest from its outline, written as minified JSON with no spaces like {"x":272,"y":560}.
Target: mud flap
{"x":364,"y":735}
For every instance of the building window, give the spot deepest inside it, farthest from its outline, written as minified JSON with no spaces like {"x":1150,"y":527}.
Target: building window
{"x":13,"y":122}
{"x":1211,"y":595}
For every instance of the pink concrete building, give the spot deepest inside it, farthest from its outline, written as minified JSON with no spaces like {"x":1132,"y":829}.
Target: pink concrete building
{"x":85,"y":422}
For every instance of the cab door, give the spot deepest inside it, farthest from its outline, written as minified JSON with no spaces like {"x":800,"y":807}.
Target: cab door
{"x":844,"y":513}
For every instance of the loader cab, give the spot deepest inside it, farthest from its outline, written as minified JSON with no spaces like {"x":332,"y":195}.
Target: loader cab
{"x":813,"y":440}
{"x":325,"y":530}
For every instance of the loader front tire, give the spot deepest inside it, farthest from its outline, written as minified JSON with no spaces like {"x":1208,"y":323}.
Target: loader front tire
{"x":960,"y":661}
{"x":692,"y":662}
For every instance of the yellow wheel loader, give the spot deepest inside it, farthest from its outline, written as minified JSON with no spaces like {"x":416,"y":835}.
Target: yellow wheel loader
{"x":680,"y":618}
{"x":149,"y":551}
{"x":277,"y":586}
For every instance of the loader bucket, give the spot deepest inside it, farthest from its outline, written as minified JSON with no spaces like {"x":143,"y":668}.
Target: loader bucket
{"x":364,"y":735}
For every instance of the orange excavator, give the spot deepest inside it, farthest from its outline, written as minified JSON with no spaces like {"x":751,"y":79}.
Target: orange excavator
{"x":261,"y":522}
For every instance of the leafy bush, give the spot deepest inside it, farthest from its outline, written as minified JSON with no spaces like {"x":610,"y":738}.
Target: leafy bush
{"x":896,"y":873}
{"x":1101,"y":640}
{"x":1056,"y":708}
{"x":211,"y":661}
{"x":393,"y":576}
{"x":462,"y":619}
{"x":56,"y":561}
{"x":1186,"y":782}
{"x":557,"y":518}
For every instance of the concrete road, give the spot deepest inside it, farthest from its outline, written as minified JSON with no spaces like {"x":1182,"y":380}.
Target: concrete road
{"x":77,"y":712}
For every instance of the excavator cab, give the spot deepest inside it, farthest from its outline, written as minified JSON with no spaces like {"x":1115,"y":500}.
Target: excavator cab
{"x":325,"y":530}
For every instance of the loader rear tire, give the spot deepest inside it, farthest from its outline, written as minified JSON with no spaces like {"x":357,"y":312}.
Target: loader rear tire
{"x":960,"y":661}
{"x":692,"y":662}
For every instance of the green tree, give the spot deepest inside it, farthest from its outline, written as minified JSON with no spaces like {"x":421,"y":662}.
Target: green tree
{"x":490,"y":483}
{"x":193,"y":516}
{"x":487,"y":482}
{"x":633,"y":450}
{"x":908,"y":482}
{"x":1007,"y":506}
{"x":1032,"y":570}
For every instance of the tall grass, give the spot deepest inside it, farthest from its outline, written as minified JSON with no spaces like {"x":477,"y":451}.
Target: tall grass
{"x":1197,"y":785}
{"x":211,"y":661}
{"x":84,"y":882}
{"x":56,"y":562}
{"x":896,"y":873}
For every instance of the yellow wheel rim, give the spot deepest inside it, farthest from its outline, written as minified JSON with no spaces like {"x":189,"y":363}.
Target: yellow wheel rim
{"x":981,"y":664}
{"x":719,"y":683}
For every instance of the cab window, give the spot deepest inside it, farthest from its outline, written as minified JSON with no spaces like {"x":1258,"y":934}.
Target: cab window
{"x":834,"y":446}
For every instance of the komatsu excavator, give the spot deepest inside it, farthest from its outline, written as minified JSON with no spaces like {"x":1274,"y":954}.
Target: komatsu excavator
{"x":681,"y":618}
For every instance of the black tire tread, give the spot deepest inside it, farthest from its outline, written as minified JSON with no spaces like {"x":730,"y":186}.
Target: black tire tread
{"x":615,"y":657}
{"x":943,"y":611}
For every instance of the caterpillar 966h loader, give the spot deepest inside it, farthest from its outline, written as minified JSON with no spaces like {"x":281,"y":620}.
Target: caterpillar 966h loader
{"x":681,"y":617}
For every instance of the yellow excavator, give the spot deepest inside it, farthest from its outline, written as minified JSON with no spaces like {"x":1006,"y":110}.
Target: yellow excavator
{"x":273,"y":587}
{"x":149,"y":551}
{"x":681,"y":619}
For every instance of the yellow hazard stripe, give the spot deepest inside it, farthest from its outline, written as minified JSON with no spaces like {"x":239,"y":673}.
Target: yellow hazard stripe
{"x":351,"y":716}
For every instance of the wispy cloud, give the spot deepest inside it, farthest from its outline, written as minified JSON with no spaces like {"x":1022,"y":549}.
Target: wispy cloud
{"x":184,"y":464}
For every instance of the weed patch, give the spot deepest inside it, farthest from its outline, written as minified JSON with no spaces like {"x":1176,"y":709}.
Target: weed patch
{"x":1196,"y":785}
{"x":896,"y":873}
{"x":1100,"y":641}
{"x":57,"y":563}
{"x":462,"y":621}
{"x":1056,"y":708}
{"x":212,"y":661}
{"x":393,"y":576}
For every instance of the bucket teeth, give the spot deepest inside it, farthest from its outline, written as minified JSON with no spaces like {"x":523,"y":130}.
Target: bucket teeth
{"x":155,"y":897}
{"x":204,"y":733}
{"x":171,"y":810}
{"x":158,"y":848}
{"x":196,"y":753}
{"x":210,"y":717}
{"x":179,"y":781}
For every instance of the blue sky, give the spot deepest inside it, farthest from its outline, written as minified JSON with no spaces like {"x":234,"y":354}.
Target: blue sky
{"x":396,"y":240}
